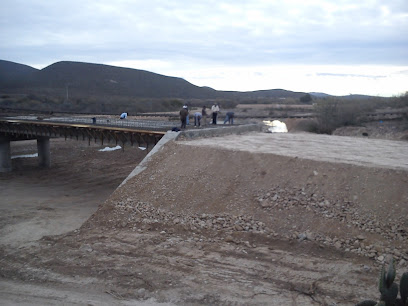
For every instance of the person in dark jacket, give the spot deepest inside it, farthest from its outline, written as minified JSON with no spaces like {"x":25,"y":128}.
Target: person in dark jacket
{"x":183,"y":116}
{"x":204,"y":115}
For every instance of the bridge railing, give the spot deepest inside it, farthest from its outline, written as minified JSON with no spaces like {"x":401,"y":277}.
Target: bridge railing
{"x":101,"y":121}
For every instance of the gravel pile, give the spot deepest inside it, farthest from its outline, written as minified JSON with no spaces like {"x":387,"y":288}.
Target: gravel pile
{"x":136,"y":214}
{"x":344,"y":211}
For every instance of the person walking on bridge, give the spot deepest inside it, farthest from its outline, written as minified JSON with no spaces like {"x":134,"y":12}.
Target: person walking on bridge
{"x":215,"y":109}
{"x":197,"y":118}
{"x":204,"y":115}
{"x":183,"y":116}
{"x":229,"y":118}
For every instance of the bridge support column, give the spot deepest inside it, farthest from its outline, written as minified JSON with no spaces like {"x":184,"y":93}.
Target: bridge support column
{"x":43,"y":148}
{"x":5,"y":156}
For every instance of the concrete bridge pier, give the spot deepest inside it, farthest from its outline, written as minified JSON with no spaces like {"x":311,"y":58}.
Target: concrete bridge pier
{"x":5,"y":156}
{"x":43,"y":148}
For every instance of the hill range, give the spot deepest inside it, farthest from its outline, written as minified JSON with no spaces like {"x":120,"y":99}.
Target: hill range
{"x":98,"y":79}
{"x":86,"y":87}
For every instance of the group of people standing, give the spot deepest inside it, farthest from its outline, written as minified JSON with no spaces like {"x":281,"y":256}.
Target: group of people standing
{"x":202,"y":116}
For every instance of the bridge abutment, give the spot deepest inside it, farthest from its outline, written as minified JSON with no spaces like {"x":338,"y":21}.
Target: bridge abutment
{"x":5,"y":156}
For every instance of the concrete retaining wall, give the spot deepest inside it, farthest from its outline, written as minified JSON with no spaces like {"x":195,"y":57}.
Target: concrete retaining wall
{"x":191,"y":134}
{"x":143,"y":164}
{"x":220,"y":131}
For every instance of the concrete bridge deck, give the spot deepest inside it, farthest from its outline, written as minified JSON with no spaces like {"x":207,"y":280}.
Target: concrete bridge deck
{"x":142,"y":132}
{"x":30,"y":127}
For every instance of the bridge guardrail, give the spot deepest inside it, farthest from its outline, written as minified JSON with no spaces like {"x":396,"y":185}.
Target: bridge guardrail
{"x":123,"y":123}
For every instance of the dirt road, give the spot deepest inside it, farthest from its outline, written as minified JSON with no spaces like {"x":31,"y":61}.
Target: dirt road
{"x":256,"y":219}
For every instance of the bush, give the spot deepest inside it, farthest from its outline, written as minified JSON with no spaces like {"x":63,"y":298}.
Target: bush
{"x":307,"y":98}
{"x":333,"y":113}
{"x":307,"y":125}
{"x":326,"y":115}
{"x":402,"y":101}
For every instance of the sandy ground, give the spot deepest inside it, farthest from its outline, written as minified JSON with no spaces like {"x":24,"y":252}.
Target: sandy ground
{"x":255,"y":219}
{"x":38,"y":202}
{"x":351,"y":150}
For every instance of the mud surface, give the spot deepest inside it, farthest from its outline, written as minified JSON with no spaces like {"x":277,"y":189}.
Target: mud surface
{"x":255,"y":219}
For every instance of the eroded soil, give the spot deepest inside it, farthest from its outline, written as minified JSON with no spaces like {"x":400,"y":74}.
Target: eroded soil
{"x":256,"y":219}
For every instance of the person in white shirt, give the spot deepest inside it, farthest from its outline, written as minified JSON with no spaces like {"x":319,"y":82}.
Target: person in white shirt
{"x":123,"y":115}
{"x":215,"y":109}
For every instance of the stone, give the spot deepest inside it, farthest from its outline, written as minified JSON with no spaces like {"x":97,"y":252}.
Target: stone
{"x":86,"y":248}
{"x":302,"y":236}
{"x":238,"y":227}
{"x":141,"y":292}
{"x":309,"y":235}
{"x":229,"y":239}
{"x":378,"y":248}
{"x":248,"y":244}
{"x":366,"y":268}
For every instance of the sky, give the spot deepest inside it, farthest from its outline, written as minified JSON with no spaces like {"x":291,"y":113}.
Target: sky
{"x":338,"y":47}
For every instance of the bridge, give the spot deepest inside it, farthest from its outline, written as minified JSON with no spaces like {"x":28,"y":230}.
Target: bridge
{"x":141,"y":132}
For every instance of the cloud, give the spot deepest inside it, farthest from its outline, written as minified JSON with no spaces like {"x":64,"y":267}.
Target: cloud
{"x":246,"y":30}
{"x":332,"y":79}
{"x":172,"y":36}
{"x":351,"y":75}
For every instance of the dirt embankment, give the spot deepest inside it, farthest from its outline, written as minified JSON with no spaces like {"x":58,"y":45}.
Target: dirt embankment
{"x":223,"y":221}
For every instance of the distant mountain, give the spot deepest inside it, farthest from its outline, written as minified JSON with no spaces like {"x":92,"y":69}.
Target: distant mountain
{"x":357,"y":97}
{"x":319,"y":94}
{"x":11,"y":73}
{"x":96,"y":79}
{"x":347,"y":97}
{"x":85,"y":79}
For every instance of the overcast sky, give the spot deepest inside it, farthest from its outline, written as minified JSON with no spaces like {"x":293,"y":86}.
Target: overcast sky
{"x":337,"y":47}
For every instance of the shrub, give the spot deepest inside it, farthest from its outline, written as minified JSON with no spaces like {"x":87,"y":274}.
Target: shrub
{"x":401,"y":101}
{"x":333,"y":113}
{"x":307,"y":98}
{"x":326,"y":115}
{"x":307,"y":125}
